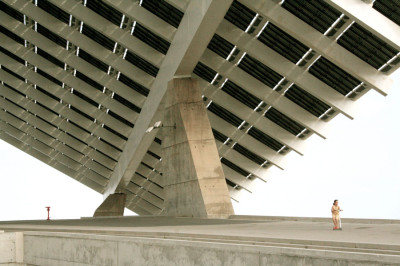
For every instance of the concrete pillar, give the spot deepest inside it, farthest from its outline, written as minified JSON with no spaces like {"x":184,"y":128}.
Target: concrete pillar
{"x":113,"y":205}
{"x":194,"y":181}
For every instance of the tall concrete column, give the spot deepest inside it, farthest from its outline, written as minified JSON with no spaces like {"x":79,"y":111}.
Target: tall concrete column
{"x":113,"y":205}
{"x":194,"y":181}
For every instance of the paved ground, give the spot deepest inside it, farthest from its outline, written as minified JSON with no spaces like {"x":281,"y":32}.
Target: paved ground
{"x":288,"y":231}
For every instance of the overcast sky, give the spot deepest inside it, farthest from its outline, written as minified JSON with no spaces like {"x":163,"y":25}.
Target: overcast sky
{"x":359,"y":164}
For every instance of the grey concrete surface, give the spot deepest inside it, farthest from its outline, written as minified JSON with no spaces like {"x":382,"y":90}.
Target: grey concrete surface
{"x":79,"y":249}
{"x":11,"y":250}
{"x":377,"y":234}
{"x":135,"y":240}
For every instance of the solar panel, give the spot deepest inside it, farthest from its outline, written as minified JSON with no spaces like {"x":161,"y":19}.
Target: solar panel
{"x":151,"y":39}
{"x":105,"y":10}
{"x":234,"y":167}
{"x":109,"y":144}
{"x":11,"y":12}
{"x":93,"y":60}
{"x":147,"y":180}
{"x":89,"y":81}
{"x":220,"y":46}
{"x":284,"y":121}
{"x":13,"y":56}
{"x":14,"y":116}
{"x":163,"y":10}
{"x":367,"y":46}
{"x":240,"y":15}
{"x":230,"y":183}
{"x":157,"y":140}
{"x":49,"y":136}
{"x":263,"y":74}
{"x":127,"y":103}
{"x":260,"y":71}
{"x":249,"y":154}
{"x":50,"y":58}
{"x":53,"y":10}
{"x":241,"y":95}
{"x":17,"y":91}
{"x":98,"y":37}
{"x":48,"y":93}
{"x":19,"y":106}
{"x":82,"y":113}
{"x":47,"y":122}
{"x":225,"y":114}
{"x":51,"y":36}
{"x":204,"y":72}
{"x":77,"y":139}
{"x":148,"y":166}
{"x":265,"y":139}
{"x":141,"y":63}
{"x":115,"y":132}
{"x":47,"y":108}
{"x":219,"y":136}
{"x":85,"y":98}
{"x":151,"y":193}
{"x":334,"y":76}
{"x":154,"y":155}
{"x":121,"y":119}
{"x":282,"y":43}
{"x":316,"y":13}
{"x":134,"y":85}
{"x":49,"y":77}
{"x":75,"y":124}
{"x":12,"y":35}
{"x":102,"y":165}
{"x":107,"y":156}
{"x":306,"y":100}
{"x":389,"y":8}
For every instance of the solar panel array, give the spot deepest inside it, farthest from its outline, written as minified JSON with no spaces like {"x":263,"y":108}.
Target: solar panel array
{"x":75,"y":75}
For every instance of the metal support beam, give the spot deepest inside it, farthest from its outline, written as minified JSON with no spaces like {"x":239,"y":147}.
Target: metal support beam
{"x":196,"y":29}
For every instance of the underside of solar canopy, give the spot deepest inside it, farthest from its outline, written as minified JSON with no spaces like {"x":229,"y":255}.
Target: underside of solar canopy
{"x":78,"y":78}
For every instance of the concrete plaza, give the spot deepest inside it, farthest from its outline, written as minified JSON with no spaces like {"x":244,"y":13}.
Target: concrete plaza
{"x":240,"y":240}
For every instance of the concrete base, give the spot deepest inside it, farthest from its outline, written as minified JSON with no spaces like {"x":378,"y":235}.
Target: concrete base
{"x":11,"y":248}
{"x":113,"y":205}
{"x":194,"y":182}
{"x":62,"y":249}
{"x":184,"y":241}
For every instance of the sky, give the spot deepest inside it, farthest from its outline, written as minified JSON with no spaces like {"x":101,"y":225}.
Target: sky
{"x":358,"y":163}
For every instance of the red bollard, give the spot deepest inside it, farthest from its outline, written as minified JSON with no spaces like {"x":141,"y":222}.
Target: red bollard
{"x":48,"y":213}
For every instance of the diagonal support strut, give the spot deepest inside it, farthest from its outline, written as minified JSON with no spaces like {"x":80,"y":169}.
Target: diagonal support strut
{"x":196,"y":29}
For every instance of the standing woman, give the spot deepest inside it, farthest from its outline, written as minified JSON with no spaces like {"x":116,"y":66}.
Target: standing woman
{"x":335,"y":214}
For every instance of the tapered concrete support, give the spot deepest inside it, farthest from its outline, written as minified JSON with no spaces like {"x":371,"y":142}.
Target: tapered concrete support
{"x":194,"y":181}
{"x":113,"y":205}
